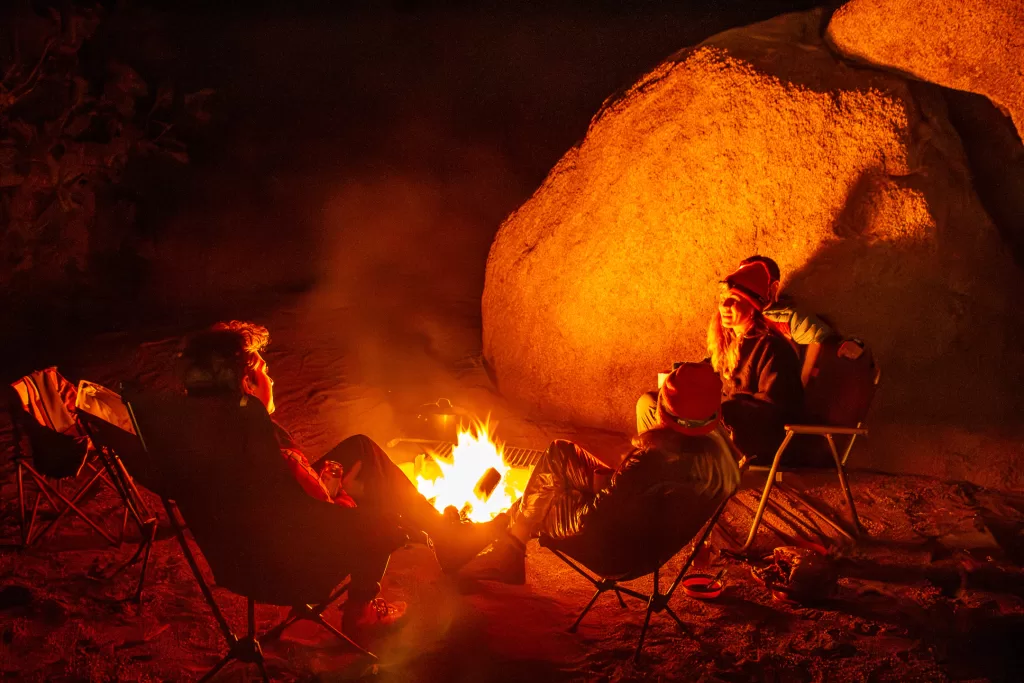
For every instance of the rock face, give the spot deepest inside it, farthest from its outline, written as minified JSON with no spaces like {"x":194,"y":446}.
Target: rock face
{"x":973,"y":46}
{"x":759,"y":141}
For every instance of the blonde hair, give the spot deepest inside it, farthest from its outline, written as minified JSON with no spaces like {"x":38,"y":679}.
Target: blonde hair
{"x":724,"y":345}
{"x":255,"y":338}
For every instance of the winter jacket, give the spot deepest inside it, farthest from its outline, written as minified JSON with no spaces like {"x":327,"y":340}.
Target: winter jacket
{"x":763,"y":393}
{"x":659,"y":497}
{"x":798,"y":326}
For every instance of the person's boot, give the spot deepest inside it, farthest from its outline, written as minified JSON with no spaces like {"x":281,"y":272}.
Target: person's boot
{"x":368,"y":618}
{"x":503,"y":561}
{"x":459,"y":542}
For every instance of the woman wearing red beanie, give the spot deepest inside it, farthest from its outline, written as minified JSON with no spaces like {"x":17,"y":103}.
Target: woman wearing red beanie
{"x":759,"y":369}
{"x":658,"y":498}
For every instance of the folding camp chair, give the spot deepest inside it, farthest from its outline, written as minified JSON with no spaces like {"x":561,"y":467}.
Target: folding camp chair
{"x":217,"y":466}
{"x":652,"y":565}
{"x":105,"y":420}
{"x":59,"y":461}
{"x":837,"y":398}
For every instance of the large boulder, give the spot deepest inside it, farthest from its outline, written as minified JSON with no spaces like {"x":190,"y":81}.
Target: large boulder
{"x":760,"y":141}
{"x":973,"y":46}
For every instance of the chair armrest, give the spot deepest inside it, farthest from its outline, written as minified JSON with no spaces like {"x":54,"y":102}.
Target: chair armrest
{"x":825,"y":429}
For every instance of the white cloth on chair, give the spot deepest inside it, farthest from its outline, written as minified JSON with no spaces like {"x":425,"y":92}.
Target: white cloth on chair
{"x":104,"y":404}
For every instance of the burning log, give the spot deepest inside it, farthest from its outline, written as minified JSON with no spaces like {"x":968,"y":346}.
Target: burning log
{"x":487,"y":483}
{"x":473,"y":482}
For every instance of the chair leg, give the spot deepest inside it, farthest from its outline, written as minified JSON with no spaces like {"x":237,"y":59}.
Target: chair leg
{"x":203,"y":587}
{"x":216,"y":669}
{"x":679,"y":622}
{"x":767,"y":491}
{"x":576,"y":624}
{"x":70,"y":505}
{"x":137,"y":598}
{"x":342,"y":637}
{"x":618,"y":594}
{"x":843,"y":481}
{"x":647,"y":620}
{"x":21,"y":505}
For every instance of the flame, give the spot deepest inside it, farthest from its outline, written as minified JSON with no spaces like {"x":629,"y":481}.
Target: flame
{"x":453,"y":483}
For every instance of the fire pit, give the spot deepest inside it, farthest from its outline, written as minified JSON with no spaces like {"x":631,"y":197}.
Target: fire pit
{"x":470,"y":476}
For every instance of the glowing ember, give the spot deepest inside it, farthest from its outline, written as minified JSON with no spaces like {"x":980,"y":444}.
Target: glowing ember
{"x":457,"y":483}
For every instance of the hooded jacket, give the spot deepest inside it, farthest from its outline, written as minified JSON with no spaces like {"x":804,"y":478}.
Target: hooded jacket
{"x":763,"y":393}
{"x":659,"y":497}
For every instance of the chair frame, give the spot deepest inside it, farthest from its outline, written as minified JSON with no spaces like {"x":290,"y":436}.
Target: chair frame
{"x":134,"y":507}
{"x":248,"y":649}
{"x":828,"y":433}
{"x":657,"y":601}
{"x":50,"y":491}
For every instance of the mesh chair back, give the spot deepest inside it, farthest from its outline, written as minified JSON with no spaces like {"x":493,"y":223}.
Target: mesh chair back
{"x":42,"y":404}
{"x":261,"y":535}
{"x":634,"y":539}
{"x":839,"y":389}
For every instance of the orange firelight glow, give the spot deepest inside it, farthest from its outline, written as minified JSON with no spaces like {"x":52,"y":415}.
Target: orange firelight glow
{"x":453,"y":483}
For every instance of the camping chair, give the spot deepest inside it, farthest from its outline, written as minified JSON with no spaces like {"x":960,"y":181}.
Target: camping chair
{"x":217,"y":465}
{"x":677,"y":539}
{"x":105,"y":420}
{"x":59,"y":457}
{"x":837,"y":398}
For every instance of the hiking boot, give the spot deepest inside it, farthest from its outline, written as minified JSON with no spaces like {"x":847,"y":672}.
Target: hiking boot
{"x":371,"y":616}
{"x":463,"y":541}
{"x":504,"y":561}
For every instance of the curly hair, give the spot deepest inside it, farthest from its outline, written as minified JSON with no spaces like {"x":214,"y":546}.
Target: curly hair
{"x":255,"y":337}
{"x":217,"y":359}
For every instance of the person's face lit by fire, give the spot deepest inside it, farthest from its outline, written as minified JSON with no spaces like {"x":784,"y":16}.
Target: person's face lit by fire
{"x":737,"y":313}
{"x":257,"y":383}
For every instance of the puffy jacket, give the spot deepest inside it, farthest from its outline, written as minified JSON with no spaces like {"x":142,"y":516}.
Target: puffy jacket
{"x":763,"y":393}
{"x":798,"y":326}
{"x":658,"y":499}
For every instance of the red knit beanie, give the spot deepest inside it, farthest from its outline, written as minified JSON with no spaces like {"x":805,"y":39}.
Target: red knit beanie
{"x":690,"y":399}
{"x":751,"y":281}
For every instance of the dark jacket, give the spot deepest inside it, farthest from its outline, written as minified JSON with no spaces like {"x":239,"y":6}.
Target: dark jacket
{"x":763,"y":394}
{"x":658,"y":499}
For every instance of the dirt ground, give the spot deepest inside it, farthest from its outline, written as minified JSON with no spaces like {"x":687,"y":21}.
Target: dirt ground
{"x":933,"y":592}
{"x":403,"y":185}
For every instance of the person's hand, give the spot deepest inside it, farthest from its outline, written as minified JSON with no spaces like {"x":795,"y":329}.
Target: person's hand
{"x":850,"y":349}
{"x":350,"y":482}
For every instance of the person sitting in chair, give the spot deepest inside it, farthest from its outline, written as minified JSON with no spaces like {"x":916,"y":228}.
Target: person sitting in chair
{"x":664,"y":490}
{"x":805,"y":331}
{"x":227,"y":358}
{"x":759,"y":368}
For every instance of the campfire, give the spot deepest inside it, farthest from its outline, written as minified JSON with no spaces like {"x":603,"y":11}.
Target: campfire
{"x":474,"y":479}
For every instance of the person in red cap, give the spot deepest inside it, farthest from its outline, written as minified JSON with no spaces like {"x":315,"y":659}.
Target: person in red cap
{"x":759,"y":368}
{"x":669,"y":483}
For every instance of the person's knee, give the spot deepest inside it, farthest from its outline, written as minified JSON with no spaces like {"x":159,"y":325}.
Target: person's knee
{"x":360,"y":441}
{"x":646,"y":411}
{"x":560,"y":449}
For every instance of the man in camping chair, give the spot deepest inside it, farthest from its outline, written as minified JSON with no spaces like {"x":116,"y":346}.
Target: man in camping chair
{"x":227,"y":359}
{"x":666,"y":488}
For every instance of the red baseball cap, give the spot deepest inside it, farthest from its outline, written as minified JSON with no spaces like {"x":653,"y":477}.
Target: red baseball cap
{"x":690,"y":399}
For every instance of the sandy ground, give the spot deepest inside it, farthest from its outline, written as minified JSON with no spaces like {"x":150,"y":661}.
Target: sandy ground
{"x":934,"y":592}
{"x":395,"y":322}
